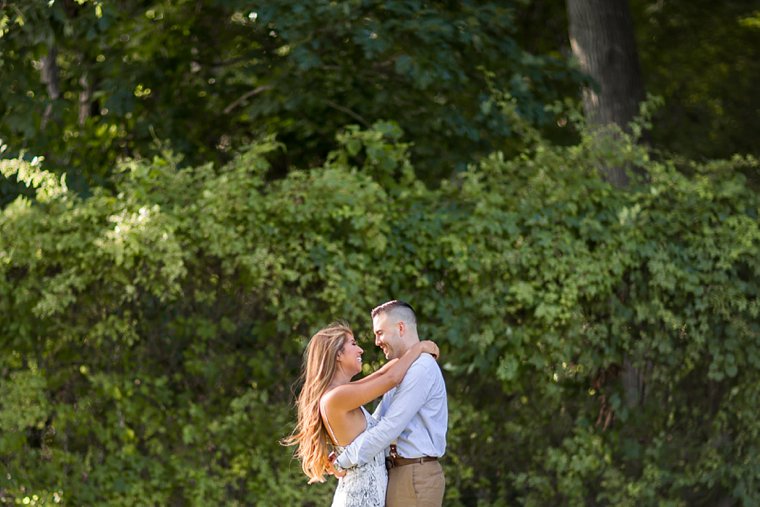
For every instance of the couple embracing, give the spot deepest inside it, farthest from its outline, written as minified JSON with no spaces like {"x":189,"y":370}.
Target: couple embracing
{"x":387,"y":458}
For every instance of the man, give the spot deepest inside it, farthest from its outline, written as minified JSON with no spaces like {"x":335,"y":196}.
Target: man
{"x":413,"y":417}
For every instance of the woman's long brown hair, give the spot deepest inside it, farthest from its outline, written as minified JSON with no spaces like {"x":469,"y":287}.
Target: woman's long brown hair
{"x":319,"y":366}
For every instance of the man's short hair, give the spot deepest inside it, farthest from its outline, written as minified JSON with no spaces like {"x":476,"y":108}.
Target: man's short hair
{"x":398,"y":308}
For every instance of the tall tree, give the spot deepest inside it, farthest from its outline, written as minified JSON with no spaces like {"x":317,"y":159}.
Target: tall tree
{"x":602,"y":39}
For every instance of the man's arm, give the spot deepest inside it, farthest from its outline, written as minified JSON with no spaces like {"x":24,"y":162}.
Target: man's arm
{"x":407,"y":401}
{"x":379,"y":409}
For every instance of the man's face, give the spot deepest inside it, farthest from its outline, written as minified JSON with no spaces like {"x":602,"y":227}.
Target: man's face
{"x":387,"y":335}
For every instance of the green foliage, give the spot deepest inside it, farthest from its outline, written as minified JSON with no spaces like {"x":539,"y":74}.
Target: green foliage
{"x":711,"y":109}
{"x":209,"y":77}
{"x":151,"y":331}
{"x":709,"y":88}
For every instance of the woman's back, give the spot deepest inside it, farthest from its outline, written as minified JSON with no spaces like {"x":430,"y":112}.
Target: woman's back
{"x":343,"y":426}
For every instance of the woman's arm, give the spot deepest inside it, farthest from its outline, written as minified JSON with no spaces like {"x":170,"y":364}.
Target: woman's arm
{"x":427,"y":346}
{"x":355,"y":394}
{"x":380,"y":371}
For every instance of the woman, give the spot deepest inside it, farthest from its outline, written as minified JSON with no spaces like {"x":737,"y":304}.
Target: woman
{"x":330,"y":410}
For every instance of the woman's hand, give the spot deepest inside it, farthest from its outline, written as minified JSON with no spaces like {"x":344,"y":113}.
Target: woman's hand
{"x":430,"y":347}
{"x":337,"y":472}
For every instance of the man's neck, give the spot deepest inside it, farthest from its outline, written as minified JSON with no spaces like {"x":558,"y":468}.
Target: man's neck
{"x":408,"y":344}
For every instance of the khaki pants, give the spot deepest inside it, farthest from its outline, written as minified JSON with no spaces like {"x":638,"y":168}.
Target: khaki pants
{"x":419,"y":484}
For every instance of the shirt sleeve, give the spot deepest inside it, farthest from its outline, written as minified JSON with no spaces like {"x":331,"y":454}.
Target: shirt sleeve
{"x":378,"y":413}
{"x":406,"y":402}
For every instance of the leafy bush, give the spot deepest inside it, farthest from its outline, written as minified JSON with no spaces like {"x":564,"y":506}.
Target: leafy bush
{"x":151,"y":331}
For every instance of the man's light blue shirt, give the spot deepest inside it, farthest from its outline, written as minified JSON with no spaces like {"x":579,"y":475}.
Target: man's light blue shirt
{"x":415,"y":414}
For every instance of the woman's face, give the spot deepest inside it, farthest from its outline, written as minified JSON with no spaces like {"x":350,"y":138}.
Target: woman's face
{"x":350,"y":356}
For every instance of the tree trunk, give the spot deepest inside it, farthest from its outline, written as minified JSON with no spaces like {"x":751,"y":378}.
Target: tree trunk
{"x":85,"y":95}
{"x":602,"y":39}
{"x":49,"y":76}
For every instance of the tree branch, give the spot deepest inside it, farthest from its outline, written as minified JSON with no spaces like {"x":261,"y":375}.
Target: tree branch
{"x":349,"y":112}
{"x":247,"y":96}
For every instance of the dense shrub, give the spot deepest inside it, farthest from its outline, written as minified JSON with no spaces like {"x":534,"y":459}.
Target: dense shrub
{"x":151,"y":331}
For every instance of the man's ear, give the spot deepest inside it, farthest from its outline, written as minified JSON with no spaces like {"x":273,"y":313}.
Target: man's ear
{"x":401,"y":328}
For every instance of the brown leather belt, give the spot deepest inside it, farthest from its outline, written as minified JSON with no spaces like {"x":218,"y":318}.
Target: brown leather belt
{"x":399,"y":461}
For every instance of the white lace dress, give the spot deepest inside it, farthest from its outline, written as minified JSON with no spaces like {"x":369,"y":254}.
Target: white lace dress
{"x":364,"y":485}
